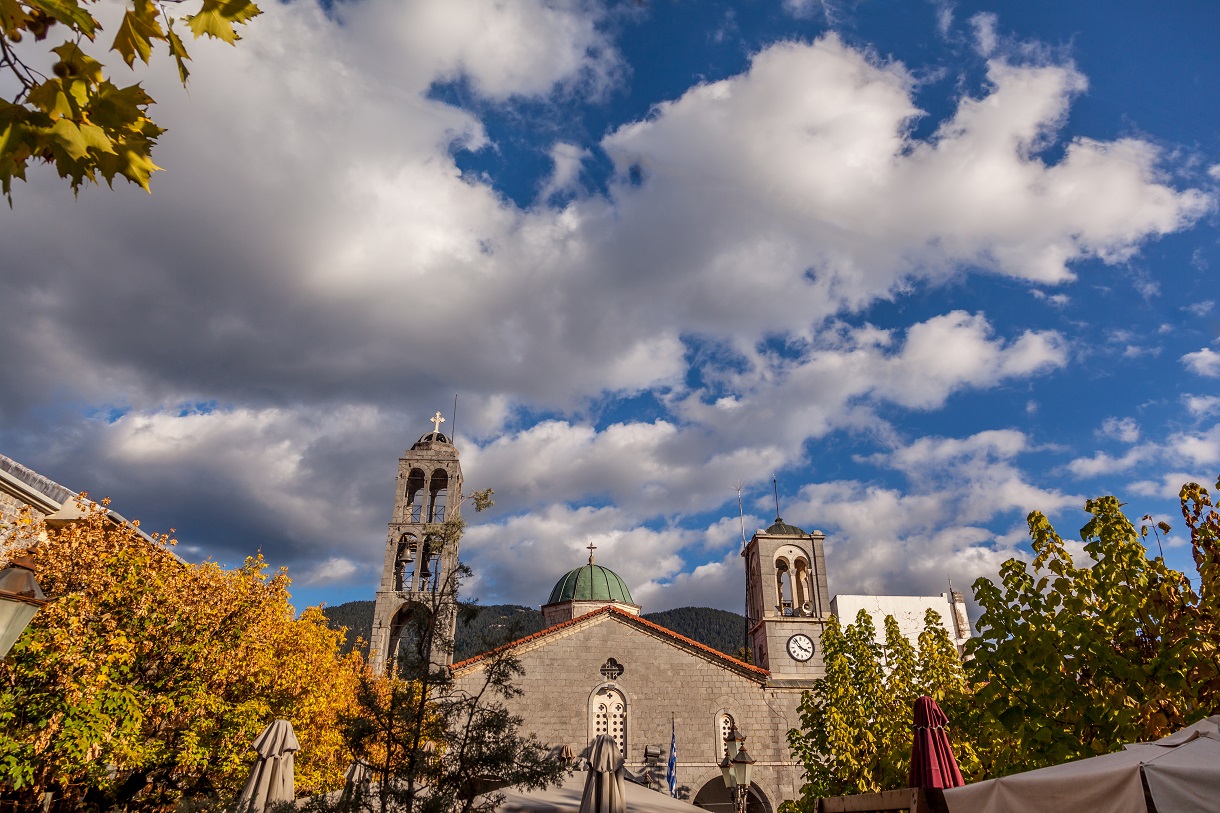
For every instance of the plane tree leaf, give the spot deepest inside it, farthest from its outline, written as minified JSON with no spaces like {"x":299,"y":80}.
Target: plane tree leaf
{"x":76,"y":118}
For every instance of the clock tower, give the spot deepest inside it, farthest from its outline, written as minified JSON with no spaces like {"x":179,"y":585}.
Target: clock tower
{"x":787,"y":601}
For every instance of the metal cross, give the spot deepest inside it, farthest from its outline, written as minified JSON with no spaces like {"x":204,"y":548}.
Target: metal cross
{"x":437,"y":420}
{"x":592,"y":548}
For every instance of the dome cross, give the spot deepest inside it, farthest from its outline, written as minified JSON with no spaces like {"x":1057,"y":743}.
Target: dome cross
{"x":592,"y":548}
{"x":437,"y":420}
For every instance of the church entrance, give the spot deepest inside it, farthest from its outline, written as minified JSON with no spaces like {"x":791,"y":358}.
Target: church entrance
{"x":715,"y":796}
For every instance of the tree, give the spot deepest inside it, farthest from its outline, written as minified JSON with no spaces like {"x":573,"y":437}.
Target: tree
{"x":433,"y":746}
{"x":77,"y":118}
{"x":147,"y":678}
{"x":855,"y":725}
{"x":1074,"y":661}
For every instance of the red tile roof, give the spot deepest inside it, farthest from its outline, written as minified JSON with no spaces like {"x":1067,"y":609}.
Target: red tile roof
{"x":633,"y":619}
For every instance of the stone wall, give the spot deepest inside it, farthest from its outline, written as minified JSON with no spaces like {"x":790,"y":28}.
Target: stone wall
{"x":661,"y":680}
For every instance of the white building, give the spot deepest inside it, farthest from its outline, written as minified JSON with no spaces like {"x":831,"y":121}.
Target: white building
{"x":909,"y":612}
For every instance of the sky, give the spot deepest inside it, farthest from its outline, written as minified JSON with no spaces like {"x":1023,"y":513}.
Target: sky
{"x":930,"y":265}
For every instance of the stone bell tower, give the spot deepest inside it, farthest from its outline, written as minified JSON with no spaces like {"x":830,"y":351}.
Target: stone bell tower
{"x":787,"y":601}
{"x":419,"y":566}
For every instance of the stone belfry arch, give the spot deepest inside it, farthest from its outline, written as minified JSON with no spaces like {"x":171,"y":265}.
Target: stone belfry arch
{"x":419,"y":569}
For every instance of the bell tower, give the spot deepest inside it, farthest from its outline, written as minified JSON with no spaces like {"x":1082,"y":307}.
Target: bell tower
{"x":419,"y":565}
{"x":787,"y":601}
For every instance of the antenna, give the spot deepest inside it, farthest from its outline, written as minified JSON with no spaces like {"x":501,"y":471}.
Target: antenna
{"x":453,"y":426}
{"x":775,"y":485}
{"x":741,"y":511}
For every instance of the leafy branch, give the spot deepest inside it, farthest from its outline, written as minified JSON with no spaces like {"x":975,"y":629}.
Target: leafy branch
{"x":77,"y":119}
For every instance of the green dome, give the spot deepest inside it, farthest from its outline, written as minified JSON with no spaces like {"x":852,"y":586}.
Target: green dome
{"x":781,"y":528}
{"x":591,"y":583}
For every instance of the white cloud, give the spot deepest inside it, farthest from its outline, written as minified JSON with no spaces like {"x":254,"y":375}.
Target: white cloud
{"x":334,"y":570}
{"x":1102,"y":463}
{"x":1201,"y":308}
{"x":985,"y":39}
{"x":1058,"y":300}
{"x":520,"y":558}
{"x":1124,"y":429}
{"x":1205,"y":362}
{"x":1168,"y":486}
{"x":565,"y":177}
{"x":1201,"y":450}
{"x":1202,"y":405}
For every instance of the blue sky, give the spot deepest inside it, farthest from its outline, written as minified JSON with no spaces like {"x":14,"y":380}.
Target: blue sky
{"x":932,"y":265}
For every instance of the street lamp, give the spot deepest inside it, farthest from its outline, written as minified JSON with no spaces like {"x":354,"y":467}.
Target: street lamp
{"x":737,"y":770}
{"x":20,"y":598}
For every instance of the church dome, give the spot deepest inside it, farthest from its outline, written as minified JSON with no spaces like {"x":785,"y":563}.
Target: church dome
{"x":590,"y":583}
{"x":431,"y":437}
{"x":781,"y":528}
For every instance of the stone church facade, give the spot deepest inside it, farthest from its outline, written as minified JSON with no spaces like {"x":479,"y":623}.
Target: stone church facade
{"x":599,"y":668}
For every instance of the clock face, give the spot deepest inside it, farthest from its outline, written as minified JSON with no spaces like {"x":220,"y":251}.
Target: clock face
{"x":800,"y":647}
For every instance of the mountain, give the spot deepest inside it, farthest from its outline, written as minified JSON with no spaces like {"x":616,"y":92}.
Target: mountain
{"x":721,"y":630}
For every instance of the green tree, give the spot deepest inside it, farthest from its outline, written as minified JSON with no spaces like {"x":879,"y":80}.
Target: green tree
{"x":855,"y":725}
{"x":1076,"y":660}
{"x":77,"y":118}
{"x":901,"y":689}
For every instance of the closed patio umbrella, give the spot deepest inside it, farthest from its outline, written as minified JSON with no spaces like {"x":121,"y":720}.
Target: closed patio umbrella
{"x":357,"y":780}
{"x":604,"y":792}
{"x":271,"y":779}
{"x":932,"y":762}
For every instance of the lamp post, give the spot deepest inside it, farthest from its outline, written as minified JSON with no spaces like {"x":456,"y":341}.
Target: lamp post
{"x":20,"y":598}
{"x":737,"y":769}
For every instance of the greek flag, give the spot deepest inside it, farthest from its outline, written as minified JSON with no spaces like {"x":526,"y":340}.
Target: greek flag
{"x":671,"y":773}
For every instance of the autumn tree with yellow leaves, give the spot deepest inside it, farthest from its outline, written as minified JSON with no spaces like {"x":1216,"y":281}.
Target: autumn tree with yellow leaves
{"x":147,"y":678}
{"x":67,"y":111}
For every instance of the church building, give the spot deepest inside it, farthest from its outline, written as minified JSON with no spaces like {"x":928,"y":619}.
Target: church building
{"x":600,"y":668}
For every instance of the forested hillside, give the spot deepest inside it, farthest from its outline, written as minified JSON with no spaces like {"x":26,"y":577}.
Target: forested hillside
{"x":494,"y":624}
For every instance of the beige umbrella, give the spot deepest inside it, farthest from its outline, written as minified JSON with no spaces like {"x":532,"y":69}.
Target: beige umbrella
{"x":357,"y":781}
{"x":604,"y":791}
{"x":1180,"y":774}
{"x":270,"y":779}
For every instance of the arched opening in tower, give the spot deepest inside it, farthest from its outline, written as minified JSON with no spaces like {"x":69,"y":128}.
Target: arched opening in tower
{"x":404,"y":562}
{"x":803,"y":600}
{"x":411,"y":636}
{"x":415,"y":495}
{"x":438,"y":488}
{"x":783,"y":586}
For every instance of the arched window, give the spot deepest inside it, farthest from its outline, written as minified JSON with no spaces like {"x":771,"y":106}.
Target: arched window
{"x":803,"y":594}
{"x":610,"y":716}
{"x":415,"y":495}
{"x":404,"y":562}
{"x":783,"y":586}
{"x":724,"y":724}
{"x":437,"y":490}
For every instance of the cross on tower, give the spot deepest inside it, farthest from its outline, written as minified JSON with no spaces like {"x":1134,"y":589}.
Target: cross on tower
{"x":437,"y":420}
{"x":592,"y":548}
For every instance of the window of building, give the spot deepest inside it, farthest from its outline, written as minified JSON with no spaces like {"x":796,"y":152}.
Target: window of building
{"x":610,"y":716}
{"x":724,"y":724}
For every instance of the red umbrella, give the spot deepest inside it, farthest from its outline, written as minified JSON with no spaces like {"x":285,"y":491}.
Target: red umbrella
{"x":932,"y":761}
